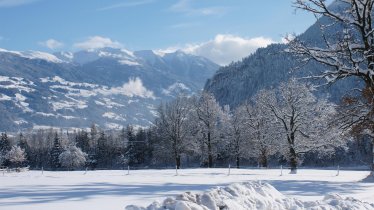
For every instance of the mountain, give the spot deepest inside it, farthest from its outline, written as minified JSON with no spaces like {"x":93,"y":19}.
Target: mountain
{"x":269,"y":66}
{"x":109,"y":87}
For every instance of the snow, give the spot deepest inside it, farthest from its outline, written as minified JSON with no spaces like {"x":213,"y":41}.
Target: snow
{"x":250,"y":195}
{"x":33,"y":190}
{"x":16,"y":83}
{"x":109,"y":103}
{"x":133,"y":88}
{"x":70,"y":105}
{"x":60,"y":80}
{"x":35,"y":55}
{"x":111,"y":115}
{"x":129,"y":63}
{"x":41,"y":55}
{"x":21,"y":121}
{"x":68,"y":117}
{"x":113,"y":126}
{"x":20,"y":102}
{"x":56,"y":115}
{"x":178,"y":86}
{"x":5,"y":97}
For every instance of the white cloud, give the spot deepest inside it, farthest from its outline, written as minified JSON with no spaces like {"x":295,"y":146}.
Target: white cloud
{"x":126,"y":4}
{"x":162,"y":52}
{"x":14,"y":3}
{"x":131,"y":89}
{"x":96,"y":42}
{"x":225,"y":48}
{"x":185,"y":6}
{"x":52,"y":44}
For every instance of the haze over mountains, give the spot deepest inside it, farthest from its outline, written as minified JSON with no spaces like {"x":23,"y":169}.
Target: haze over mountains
{"x":110,"y":87}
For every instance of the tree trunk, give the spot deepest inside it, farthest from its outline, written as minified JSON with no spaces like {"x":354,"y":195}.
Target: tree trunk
{"x":178,"y":161}
{"x":263,"y":161}
{"x":237,"y":162}
{"x":210,"y":156}
{"x":210,"y":161}
{"x":293,"y":161}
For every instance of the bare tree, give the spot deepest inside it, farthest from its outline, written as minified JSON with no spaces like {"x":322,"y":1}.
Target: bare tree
{"x":173,"y":123}
{"x":209,"y":114}
{"x":262,"y":128}
{"x":304,"y":118}
{"x":234,"y":124}
{"x":347,"y":53}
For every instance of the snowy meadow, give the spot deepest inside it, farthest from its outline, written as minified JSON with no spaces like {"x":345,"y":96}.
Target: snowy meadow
{"x":33,"y":190}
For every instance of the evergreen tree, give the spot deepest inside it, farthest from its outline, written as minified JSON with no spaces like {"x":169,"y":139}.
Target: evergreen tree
{"x":130,"y":148}
{"x":55,"y":153}
{"x":140,"y":147}
{"x":83,"y":141}
{"x":93,"y":136}
{"x":102,"y":150}
{"x":4,"y":148}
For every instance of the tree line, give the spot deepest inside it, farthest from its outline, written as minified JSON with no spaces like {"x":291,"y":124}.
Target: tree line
{"x":282,"y":126}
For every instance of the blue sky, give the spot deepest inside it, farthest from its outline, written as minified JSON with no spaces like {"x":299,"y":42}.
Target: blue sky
{"x":70,"y":25}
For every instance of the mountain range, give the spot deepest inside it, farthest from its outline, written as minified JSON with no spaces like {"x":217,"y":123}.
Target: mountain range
{"x":109,"y":87}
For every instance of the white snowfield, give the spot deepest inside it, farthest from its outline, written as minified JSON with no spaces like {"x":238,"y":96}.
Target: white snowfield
{"x":100,"y":190}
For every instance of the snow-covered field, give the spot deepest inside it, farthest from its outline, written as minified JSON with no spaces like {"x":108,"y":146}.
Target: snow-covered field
{"x":114,"y":189}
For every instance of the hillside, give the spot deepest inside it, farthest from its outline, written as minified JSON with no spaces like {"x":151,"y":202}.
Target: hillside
{"x":109,"y":87}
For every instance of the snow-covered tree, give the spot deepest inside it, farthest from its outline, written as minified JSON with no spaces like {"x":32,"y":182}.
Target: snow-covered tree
{"x":348,"y":51}
{"x":72,"y":157}
{"x":208,"y":115}
{"x":23,"y":144}
{"x":237,"y":137}
{"x":174,"y":126}
{"x":262,"y":129}
{"x":16,"y":156}
{"x":304,"y":119}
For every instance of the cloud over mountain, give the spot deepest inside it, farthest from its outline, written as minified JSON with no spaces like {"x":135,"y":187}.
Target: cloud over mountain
{"x":225,"y":48}
{"x":52,"y":44}
{"x":97,"y":42}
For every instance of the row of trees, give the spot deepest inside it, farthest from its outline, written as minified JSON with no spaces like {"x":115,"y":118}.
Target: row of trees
{"x":281,"y":124}
{"x":10,"y":155}
{"x":289,"y":122}
{"x":52,"y":149}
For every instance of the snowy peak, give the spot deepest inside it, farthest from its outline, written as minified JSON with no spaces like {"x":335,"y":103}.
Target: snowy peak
{"x":85,"y":56}
{"x":129,"y":58}
{"x":37,"y":55}
{"x":65,"y":56}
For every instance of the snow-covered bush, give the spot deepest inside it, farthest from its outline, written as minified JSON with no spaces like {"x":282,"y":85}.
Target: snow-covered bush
{"x":72,"y":157}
